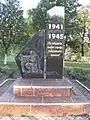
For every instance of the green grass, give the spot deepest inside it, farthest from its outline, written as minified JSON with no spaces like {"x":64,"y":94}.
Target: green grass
{"x":9,"y":68}
{"x":77,"y":65}
{"x":86,"y":83}
{"x":78,"y":70}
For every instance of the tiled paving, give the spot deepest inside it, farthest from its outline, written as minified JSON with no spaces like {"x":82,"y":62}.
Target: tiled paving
{"x":42,"y":82}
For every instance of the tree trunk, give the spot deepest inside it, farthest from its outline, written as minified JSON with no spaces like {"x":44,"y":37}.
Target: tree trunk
{"x":82,"y":50}
{"x":5,"y":58}
{"x":65,"y":44}
{"x":83,"y":59}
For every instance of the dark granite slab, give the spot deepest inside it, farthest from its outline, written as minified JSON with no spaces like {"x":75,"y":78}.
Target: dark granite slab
{"x":30,"y":60}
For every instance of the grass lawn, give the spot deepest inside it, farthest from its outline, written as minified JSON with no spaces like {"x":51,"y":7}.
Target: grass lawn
{"x":77,"y":65}
{"x":9,"y":68}
{"x":79,"y":70}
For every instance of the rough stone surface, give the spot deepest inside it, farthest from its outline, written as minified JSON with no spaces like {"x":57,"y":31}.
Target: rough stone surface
{"x":30,"y":60}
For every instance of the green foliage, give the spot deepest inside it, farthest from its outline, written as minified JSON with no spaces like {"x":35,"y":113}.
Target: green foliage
{"x":70,"y":17}
{"x":12,"y":25}
{"x":78,"y":65}
{"x":79,"y":71}
{"x":29,"y":25}
{"x":38,"y":14}
{"x":68,"y":71}
{"x":83,"y":21}
{"x":78,"y":74}
{"x":75,"y":44}
{"x":8,"y":69}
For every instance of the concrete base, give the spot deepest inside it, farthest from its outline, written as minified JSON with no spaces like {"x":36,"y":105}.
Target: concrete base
{"x":42,"y":88}
{"x":40,"y":106}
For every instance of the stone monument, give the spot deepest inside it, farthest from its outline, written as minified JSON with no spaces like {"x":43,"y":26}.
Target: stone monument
{"x":42,"y":91}
{"x":42,"y":56}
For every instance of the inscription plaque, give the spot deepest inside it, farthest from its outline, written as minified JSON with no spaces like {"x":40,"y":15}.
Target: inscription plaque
{"x":54,"y":42}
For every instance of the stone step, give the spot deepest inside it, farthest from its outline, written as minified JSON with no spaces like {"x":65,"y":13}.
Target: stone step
{"x":42,"y":88}
{"x":11,"y":105}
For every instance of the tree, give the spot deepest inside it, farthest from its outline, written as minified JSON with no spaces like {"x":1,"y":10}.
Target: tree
{"x":75,"y":44}
{"x":38,"y":15}
{"x":70,"y":19}
{"x":29,"y":24}
{"x":11,"y":25}
{"x":83,"y":21}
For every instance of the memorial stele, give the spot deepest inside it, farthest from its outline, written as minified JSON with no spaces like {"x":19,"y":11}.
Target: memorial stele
{"x":42,"y":56}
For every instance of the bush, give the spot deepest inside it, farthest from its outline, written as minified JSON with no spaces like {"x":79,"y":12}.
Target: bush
{"x":9,"y":68}
{"x":78,"y":74}
{"x":79,"y":71}
{"x":68,"y":71}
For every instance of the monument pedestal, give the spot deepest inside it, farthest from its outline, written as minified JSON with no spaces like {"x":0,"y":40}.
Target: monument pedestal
{"x":42,"y":88}
{"x":37,"y":97}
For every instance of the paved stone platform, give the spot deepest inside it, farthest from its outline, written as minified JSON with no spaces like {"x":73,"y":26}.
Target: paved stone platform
{"x":11,"y":105}
{"x":41,"y":87}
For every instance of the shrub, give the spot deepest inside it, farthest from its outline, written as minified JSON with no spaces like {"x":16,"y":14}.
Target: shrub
{"x":79,"y":74}
{"x":68,"y":71}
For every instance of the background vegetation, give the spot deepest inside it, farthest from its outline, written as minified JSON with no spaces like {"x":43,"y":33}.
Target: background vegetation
{"x":15,"y":31}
